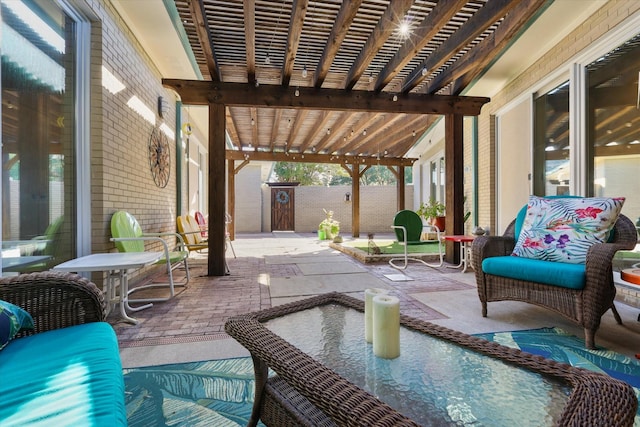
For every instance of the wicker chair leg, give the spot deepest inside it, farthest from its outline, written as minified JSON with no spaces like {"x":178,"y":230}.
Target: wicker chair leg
{"x":484,"y":308}
{"x":616,"y":314}
{"x":589,"y":339}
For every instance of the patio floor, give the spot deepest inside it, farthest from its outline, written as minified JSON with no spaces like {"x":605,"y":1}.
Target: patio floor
{"x":275,"y":268}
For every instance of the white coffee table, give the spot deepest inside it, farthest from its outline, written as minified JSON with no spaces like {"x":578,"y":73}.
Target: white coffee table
{"x":117,"y":265}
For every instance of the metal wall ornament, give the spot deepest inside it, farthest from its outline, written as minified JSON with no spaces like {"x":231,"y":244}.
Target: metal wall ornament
{"x":159,"y":157}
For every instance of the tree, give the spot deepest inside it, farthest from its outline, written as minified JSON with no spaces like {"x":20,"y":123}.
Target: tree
{"x":332,"y":174}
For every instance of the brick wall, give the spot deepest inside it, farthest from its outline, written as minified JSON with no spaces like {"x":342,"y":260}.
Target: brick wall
{"x":120,"y":172}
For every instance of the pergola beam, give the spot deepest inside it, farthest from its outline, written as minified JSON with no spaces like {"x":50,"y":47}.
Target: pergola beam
{"x":197,"y":92}
{"x":317,"y":158}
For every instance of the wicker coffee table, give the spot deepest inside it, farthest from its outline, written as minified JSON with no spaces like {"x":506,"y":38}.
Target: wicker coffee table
{"x":324,"y":374}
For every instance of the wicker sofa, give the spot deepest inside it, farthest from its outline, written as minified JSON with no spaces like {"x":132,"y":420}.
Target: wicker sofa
{"x":67,"y":370}
{"x":583,"y":303}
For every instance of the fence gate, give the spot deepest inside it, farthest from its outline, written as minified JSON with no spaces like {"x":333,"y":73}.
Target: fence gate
{"x":282,"y":209}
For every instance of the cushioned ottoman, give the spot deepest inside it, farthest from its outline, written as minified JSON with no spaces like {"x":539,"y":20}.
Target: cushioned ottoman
{"x":69,"y":376}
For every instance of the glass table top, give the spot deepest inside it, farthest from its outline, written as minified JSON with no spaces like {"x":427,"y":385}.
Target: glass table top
{"x":433,"y":381}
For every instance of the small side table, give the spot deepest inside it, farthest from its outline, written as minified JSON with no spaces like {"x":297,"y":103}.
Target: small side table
{"x":464,"y":249}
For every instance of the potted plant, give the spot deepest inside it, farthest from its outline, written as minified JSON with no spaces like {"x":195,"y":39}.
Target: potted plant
{"x":433,"y":212}
{"x":330,"y":226}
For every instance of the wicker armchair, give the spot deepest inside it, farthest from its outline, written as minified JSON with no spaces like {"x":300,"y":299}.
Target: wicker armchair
{"x":54,"y":300}
{"x":583,"y":306}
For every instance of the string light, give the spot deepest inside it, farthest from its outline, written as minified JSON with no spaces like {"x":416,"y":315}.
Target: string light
{"x":395,"y":98}
{"x":253,"y":122}
{"x":424,"y":71}
{"x":304,"y":71}
{"x":297,"y":92}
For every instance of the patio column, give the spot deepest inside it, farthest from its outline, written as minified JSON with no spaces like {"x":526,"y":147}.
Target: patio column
{"x":215,"y":259}
{"x":454,"y":181}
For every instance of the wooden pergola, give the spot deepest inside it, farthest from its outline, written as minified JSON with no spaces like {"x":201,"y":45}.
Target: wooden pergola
{"x":218,"y":96}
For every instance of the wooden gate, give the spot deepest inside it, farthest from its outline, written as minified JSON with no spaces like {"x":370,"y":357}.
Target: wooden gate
{"x":282,"y":209}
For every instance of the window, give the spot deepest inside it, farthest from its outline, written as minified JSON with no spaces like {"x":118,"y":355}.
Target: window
{"x":38,"y":133}
{"x":613,"y":126}
{"x":551,"y":142}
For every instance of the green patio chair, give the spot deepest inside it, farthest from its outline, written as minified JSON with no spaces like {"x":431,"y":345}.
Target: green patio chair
{"x":128,"y":237}
{"x":408,"y":227}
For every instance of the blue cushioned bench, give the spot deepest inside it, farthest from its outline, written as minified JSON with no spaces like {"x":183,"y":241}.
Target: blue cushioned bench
{"x":66,"y":372}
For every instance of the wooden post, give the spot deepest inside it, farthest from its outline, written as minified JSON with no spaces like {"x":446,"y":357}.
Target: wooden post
{"x":216,"y":260}
{"x":355,"y":201}
{"x":231,"y":196}
{"x":400,"y":186}
{"x":454,"y":181}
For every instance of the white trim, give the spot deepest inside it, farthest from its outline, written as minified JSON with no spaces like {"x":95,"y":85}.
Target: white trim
{"x":82,"y":127}
{"x":577,"y":130}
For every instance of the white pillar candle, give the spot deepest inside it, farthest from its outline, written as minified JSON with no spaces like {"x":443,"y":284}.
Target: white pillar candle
{"x":386,"y":326}
{"x":368,"y":311}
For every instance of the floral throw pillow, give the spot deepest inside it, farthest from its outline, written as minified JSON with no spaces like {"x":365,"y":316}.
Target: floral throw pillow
{"x":13,"y":319}
{"x":563,"y":229}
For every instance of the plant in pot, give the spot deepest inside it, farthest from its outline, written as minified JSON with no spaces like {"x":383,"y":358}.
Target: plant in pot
{"x":330,"y":226}
{"x":433,"y":212}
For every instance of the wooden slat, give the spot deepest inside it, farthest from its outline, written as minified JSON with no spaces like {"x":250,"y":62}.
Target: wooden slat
{"x":238,"y":94}
{"x":437,"y":19}
{"x":339,"y":31}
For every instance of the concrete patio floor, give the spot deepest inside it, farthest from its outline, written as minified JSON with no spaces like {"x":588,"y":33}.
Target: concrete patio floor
{"x":276,"y":268}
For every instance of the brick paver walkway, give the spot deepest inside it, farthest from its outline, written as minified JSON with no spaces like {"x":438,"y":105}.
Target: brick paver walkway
{"x":199,"y":311}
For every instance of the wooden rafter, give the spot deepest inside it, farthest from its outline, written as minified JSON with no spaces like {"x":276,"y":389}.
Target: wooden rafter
{"x":250,"y":37}
{"x":295,"y":28}
{"x":318,"y":128}
{"x":297,"y":124}
{"x":475,"y":61}
{"x":330,"y":136}
{"x":437,"y":19}
{"x":392,"y":15}
{"x":477,"y":23}
{"x":339,"y":31}
{"x":274,"y":129}
{"x":202,"y":28}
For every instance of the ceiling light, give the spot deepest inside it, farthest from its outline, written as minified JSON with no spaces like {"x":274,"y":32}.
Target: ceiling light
{"x":253,"y":122}
{"x":297,"y":92}
{"x":304,"y":72}
{"x":413,"y":133}
{"x":550,"y":148}
{"x":612,"y":144}
{"x":424,"y":71}
{"x":395,"y":98}
{"x":634,"y":142}
{"x":364,"y":132}
{"x":404,"y":29}
{"x":328,"y":131}
{"x":267,"y":60}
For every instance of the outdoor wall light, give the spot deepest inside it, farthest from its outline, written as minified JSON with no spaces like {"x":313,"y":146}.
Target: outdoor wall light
{"x":347,"y":197}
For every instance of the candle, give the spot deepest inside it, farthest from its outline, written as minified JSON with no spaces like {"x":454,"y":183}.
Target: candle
{"x":386,"y":326}
{"x":368,"y":311}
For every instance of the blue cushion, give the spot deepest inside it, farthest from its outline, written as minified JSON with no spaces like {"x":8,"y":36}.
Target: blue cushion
{"x":13,"y":319}
{"x":65,"y":377}
{"x":562,"y":274}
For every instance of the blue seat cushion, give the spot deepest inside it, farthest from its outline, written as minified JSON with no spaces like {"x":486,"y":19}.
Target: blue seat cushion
{"x":65,"y":377}
{"x":562,"y":274}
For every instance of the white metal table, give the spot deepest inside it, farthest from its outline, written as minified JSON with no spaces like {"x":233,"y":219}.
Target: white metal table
{"x":117,"y":266}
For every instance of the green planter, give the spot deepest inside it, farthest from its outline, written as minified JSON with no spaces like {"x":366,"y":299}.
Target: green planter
{"x":322,"y":235}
